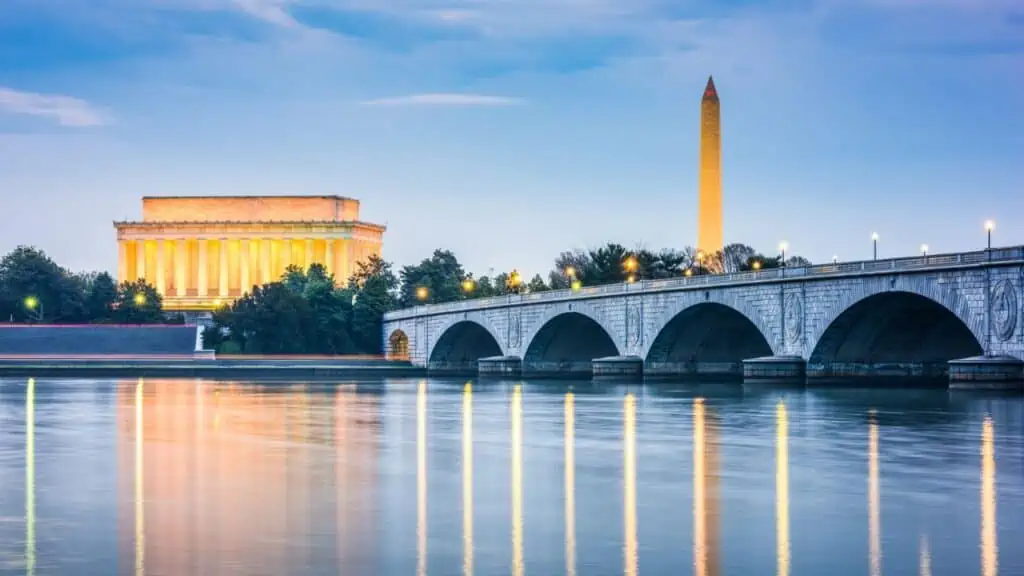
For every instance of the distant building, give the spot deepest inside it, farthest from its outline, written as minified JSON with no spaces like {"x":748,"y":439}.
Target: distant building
{"x":709,"y":209}
{"x":202,"y":252}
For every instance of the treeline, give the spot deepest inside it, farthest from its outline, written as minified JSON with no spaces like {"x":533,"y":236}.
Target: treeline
{"x":441,"y":278}
{"x":34,"y":289}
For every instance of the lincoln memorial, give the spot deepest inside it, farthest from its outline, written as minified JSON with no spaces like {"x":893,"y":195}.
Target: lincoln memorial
{"x":203,"y":252}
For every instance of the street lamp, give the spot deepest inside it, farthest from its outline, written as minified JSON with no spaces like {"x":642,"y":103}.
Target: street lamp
{"x":31,"y":304}
{"x":630,"y":265}
{"x":990,"y":225}
{"x":139,"y":299}
{"x":924,"y":250}
{"x":468,"y":285}
{"x":835,"y":259}
{"x":874,"y":244}
{"x":422,"y":293}
{"x":756,"y":265}
{"x":514,"y":279}
{"x":576,"y":285}
{"x":782,"y":248}
{"x":570,"y":271}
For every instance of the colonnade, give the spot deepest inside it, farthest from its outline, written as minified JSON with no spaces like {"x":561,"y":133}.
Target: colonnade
{"x":228,"y":267}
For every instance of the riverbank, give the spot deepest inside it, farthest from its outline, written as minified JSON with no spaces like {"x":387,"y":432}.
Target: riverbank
{"x":219,"y":368}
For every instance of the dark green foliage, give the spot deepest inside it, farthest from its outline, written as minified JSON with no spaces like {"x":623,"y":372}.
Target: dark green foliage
{"x":33,"y":288}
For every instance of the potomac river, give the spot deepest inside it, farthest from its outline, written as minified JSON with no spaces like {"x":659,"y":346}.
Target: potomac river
{"x":449,"y":477}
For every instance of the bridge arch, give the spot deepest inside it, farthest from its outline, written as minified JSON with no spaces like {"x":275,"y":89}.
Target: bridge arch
{"x":398,"y":345}
{"x":902,"y":331}
{"x":708,"y":337}
{"x":566,"y":339}
{"x":461,"y":341}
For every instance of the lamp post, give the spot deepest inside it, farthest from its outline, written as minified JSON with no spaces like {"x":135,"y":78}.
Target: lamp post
{"x":32,"y":304}
{"x":468,"y":285}
{"x":835,"y":261}
{"x":924,"y":252}
{"x":989,"y":227}
{"x":782,"y":249}
{"x":422,"y":293}
{"x":512,"y":284}
{"x":874,"y":244}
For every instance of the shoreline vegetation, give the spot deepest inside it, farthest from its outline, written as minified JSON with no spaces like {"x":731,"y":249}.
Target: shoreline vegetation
{"x":307,"y":312}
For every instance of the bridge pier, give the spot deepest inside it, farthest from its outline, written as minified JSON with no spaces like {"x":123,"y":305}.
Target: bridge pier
{"x":452,"y":368}
{"x":987,"y":373}
{"x":564,"y":369}
{"x":618,"y":367}
{"x":774,"y":368}
{"x":697,"y":370}
{"x":500,"y":366}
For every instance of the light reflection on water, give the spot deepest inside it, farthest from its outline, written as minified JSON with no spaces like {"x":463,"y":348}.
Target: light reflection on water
{"x":191,"y":477}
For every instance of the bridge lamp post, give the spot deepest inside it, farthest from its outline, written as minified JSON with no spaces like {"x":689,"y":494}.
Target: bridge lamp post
{"x":756,"y":265}
{"x":989,"y":227}
{"x":782,"y":249}
{"x":630,"y":265}
{"x":513,"y":282}
{"x":468,"y":285}
{"x":874,"y":244}
{"x":924,"y":252}
{"x":422,"y":293}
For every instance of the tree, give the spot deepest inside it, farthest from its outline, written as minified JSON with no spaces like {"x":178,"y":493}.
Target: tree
{"x":101,"y":297}
{"x":138,"y":303}
{"x":536,"y":284}
{"x":34,"y":288}
{"x":376,"y":295}
{"x":441,"y":275}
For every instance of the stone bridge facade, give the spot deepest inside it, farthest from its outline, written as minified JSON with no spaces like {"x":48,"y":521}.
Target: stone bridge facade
{"x":901,"y":317}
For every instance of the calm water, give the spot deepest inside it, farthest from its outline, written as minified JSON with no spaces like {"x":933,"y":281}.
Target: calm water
{"x":439,"y":477}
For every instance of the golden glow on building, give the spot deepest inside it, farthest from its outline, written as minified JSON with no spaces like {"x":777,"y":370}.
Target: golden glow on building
{"x":629,"y":484}
{"x":989,"y":547}
{"x":201,"y":251}
{"x":709,"y":210}
{"x":517,"y":481}
{"x":467,"y":479}
{"x":30,"y":477}
{"x":421,"y":479}
{"x":874,"y":514}
{"x":705,"y":492}
{"x":782,"y":489}
{"x":570,"y":484}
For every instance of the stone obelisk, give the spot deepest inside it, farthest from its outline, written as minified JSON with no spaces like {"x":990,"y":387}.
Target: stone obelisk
{"x":709,"y":209}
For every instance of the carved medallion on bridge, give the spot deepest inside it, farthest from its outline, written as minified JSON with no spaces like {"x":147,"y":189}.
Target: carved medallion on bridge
{"x":633,"y":322}
{"x":514,"y":332}
{"x":794,"y":319}
{"x":1004,"y":310}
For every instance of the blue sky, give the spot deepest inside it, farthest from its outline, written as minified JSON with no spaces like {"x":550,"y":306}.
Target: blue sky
{"x":510,"y":131}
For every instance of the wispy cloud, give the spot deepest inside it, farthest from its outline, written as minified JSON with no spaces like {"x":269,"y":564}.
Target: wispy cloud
{"x":445,"y":99}
{"x":272,"y":11}
{"x":65,"y":110}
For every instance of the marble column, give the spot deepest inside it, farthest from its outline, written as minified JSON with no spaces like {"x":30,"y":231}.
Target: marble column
{"x":202,"y":283}
{"x":345,"y":256}
{"x":140,"y":259}
{"x":181,"y":267}
{"x":223,"y":271}
{"x":122,"y":261}
{"x":329,"y":257}
{"x":161,"y":267}
{"x":243,"y":266}
{"x":285,"y":255}
{"x":265,"y":270}
{"x":309,"y":254}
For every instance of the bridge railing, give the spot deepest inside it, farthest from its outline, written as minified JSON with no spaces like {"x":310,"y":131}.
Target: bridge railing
{"x":924,"y":261}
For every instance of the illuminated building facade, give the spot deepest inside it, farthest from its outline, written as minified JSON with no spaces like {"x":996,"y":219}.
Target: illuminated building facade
{"x":709,"y":209}
{"x":200,"y":252}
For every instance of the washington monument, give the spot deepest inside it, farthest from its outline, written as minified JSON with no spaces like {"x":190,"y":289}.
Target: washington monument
{"x":709,"y":210}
